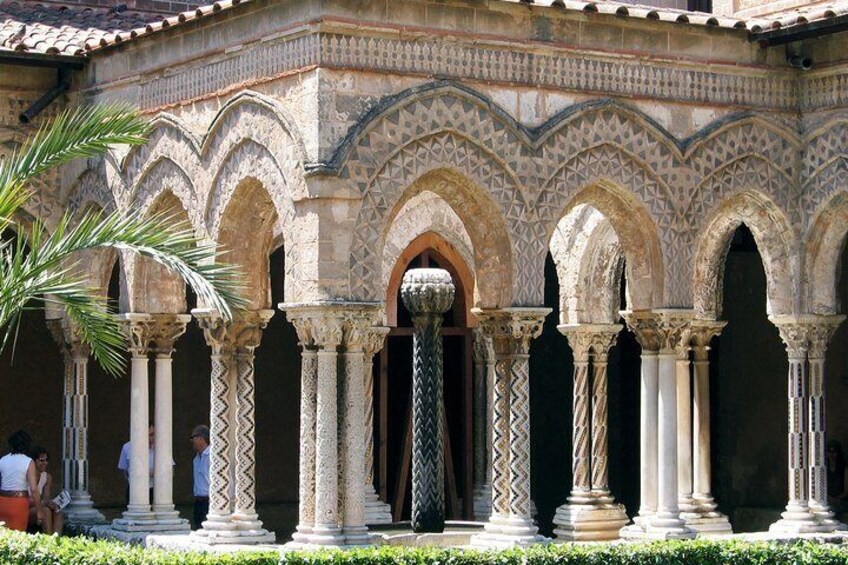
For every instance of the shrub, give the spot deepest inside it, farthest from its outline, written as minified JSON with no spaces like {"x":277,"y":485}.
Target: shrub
{"x":22,"y":549}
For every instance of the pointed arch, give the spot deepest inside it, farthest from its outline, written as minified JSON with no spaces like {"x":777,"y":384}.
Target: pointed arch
{"x":825,"y":242}
{"x":775,"y":240}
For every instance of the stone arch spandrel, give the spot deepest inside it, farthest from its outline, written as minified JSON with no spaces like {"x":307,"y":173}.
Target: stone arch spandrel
{"x":823,"y":252}
{"x":155,"y":289}
{"x":475,"y":186}
{"x":165,"y":177}
{"x":251,"y":161}
{"x":245,"y":235}
{"x":425,"y":213}
{"x":91,"y":188}
{"x":637,"y":205}
{"x":776,"y":242}
{"x":824,"y":170}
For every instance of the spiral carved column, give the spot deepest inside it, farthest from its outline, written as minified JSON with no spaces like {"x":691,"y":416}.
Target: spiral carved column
{"x":427,"y":294}
{"x":590,"y":513}
{"x":75,"y":468}
{"x":511,"y":331}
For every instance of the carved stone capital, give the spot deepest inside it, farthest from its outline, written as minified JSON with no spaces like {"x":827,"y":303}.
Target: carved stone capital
{"x":595,"y":339}
{"x":331,"y":324}
{"x":374,"y":340}
{"x":702,"y":333}
{"x":795,"y":331}
{"x":427,"y":291}
{"x":165,"y":330}
{"x":215,"y":330}
{"x":67,"y":337}
{"x":484,"y":349}
{"x":643,"y":323}
{"x":139,"y":332}
{"x":512,"y":329}
{"x":675,"y":331}
{"x":821,"y":333}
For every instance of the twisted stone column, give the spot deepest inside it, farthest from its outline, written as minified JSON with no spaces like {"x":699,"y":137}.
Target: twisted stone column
{"x":820,"y":334}
{"x":247,"y":334}
{"x":376,"y":511}
{"x":511,"y":330}
{"x":797,"y":518}
{"x":165,"y":330}
{"x":75,"y":471}
{"x":707,"y":520}
{"x":138,"y":516}
{"x":590,"y":513}
{"x":427,"y":294}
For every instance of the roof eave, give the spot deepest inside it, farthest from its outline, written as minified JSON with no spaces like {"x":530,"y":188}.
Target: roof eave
{"x":28,"y":59}
{"x":799,"y":32}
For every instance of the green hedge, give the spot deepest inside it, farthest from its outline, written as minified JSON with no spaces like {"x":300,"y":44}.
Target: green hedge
{"x":23,"y":549}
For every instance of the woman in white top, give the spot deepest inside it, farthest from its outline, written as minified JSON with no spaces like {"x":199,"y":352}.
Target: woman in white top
{"x":52,"y":520}
{"x":17,"y":479}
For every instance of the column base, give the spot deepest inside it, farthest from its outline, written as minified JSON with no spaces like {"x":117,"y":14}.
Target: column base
{"x":657,"y":527}
{"x":706,"y":520}
{"x":503,"y":532}
{"x":167,"y":516}
{"x":376,"y":511}
{"x":594,"y":522}
{"x":81,"y":512}
{"x":827,"y":519}
{"x":482,"y":502}
{"x":797,"y":519}
{"x":134,"y":524}
{"x":241,"y":534}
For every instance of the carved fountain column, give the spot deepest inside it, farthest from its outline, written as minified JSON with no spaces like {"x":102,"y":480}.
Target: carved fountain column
{"x":427,"y":294}
{"x":75,"y":468}
{"x":511,"y":330}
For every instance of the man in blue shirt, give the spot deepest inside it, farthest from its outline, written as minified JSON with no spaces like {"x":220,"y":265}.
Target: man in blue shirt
{"x":200,"y":443}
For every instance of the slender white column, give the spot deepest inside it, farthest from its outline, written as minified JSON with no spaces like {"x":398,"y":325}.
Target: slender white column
{"x":376,"y":511}
{"x":820,"y":335}
{"x":511,"y":523}
{"x":707,"y":520}
{"x":166,"y":329}
{"x":138,"y":515}
{"x":685,"y":499}
{"x":75,"y":355}
{"x":797,"y":518}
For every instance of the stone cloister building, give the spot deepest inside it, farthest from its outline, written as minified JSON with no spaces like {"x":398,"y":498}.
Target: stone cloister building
{"x":610,"y":151}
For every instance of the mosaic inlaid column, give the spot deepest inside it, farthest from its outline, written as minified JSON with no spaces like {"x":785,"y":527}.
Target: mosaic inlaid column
{"x":75,"y":469}
{"x":376,"y":511}
{"x":427,"y":294}
{"x":797,"y":518}
{"x":590,"y":513}
{"x":821,"y":332}
{"x":139,"y":515}
{"x":482,"y":421}
{"x":247,"y":334}
{"x":511,"y":330}
{"x":218,"y":527}
{"x":644,"y":326}
{"x":708,"y":520}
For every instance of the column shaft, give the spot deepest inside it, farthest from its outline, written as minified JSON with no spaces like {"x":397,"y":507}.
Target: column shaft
{"x":600,"y":473}
{"x":684,"y":435}
{"x":244,"y":504}
{"x":500,"y":438}
{"x":163,"y":470}
{"x":581,"y":451}
{"x":798,"y":499}
{"x":220,"y":448}
{"x":353,"y":440}
{"x":701,"y":455}
{"x":648,"y":464}
{"x":668,"y":515}
{"x":139,"y":448}
{"x":519,"y":445}
{"x":327,"y":528}
{"x":308,"y":392}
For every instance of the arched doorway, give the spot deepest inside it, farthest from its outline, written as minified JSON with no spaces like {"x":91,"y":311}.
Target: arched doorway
{"x":393,"y":380}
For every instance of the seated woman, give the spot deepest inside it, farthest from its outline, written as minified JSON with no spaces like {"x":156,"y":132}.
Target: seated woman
{"x":51,"y":520}
{"x":17,"y":480}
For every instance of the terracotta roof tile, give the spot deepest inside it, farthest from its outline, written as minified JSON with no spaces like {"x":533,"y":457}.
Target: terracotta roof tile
{"x":52,"y":28}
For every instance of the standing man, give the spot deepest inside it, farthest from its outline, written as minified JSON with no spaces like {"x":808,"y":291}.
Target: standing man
{"x":124,"y":463}
{"x":200,"y":443}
